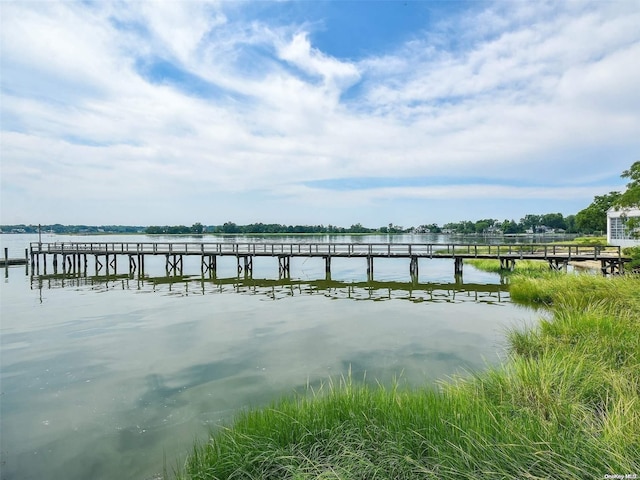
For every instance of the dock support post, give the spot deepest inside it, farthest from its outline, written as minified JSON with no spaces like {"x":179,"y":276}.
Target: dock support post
{"x":327,"y":265}
{"x":141,"y":265}
{"x":284,"y":267}
{"x":558,"y":265}
{"x":214,"y":265}
{"x":413,"y":268}
{"x":457,"y":267}
{"x":246,"y":266}
{"x":132,"y":265}
{"x":507,"y":264}
{"x":611,"y":266}
{"x":208,"y":265}
{"x":174,"y":266}
{"x":370,"y":268}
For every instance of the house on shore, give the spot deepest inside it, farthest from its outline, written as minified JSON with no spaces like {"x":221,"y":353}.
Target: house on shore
{"x":617,"y":232}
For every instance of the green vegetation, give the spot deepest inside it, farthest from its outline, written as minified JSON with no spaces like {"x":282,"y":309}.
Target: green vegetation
{"x":195,"y":229}
{"x":564,"y":405}
{"x":587,"y":241}
{"x":631,"y":196}
{"x":547,"y":223}
{"x":634,"y":253}
{"x":71,"y":229}
{"x":523,"y":267}
{"x":594,"y":217}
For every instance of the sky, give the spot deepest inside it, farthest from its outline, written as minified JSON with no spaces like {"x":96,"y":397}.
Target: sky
{"x":314,"y":112}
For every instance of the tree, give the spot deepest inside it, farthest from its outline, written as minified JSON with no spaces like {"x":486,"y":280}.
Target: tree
{"x":230,"y":227}
{"x":554,"y":220}
{"x":481,"y":225}
{"x":594,"y":217}
{"x":509,"y":226}
{"x":570,"y":220}
{"x":530,"y":221}
{"x":197,"y":228}
{"x":631,"y":197}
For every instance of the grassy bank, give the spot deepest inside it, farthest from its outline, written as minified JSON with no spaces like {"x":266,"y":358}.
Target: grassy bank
{"x":565,"y":405}
{"x":533,"y":268}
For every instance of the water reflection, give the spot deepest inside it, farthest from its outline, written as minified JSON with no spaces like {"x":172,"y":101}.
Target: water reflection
{"x":282,"y":288}
{"x":105,"y":375}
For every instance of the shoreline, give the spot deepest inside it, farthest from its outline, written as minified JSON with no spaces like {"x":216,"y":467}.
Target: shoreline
{"x":564,"y":403}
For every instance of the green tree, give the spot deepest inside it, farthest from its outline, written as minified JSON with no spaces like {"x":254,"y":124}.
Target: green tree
{"x":530,"y":221}
{"x":594,"y":217}
{"x":481,"y":225}
{"x":631,"y":197}
{"x":154,"y":230}
{"x":197,"y":228}
{"x":509,"y":227}
{"x":570,"y":220}
{"x":553,"y":220}
{"x":230,"y":227}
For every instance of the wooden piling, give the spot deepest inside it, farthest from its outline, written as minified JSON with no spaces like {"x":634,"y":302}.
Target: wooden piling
{"x":413,"y":267}
{"x":457,"y":267}
{"x":327,"y":265}
{"x":284,"y":266}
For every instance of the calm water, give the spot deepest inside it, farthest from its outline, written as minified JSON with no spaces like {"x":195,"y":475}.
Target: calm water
{"x":105,"y":379}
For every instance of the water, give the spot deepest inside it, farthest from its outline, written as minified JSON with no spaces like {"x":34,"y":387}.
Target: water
{"x":106,"y":379}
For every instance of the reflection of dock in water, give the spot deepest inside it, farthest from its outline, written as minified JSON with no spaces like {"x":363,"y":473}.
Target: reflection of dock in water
{"x":283,"y":288}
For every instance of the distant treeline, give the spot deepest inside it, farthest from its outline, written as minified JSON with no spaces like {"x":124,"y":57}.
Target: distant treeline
{"x":547,"y":223}
{"x":71,"y":229}
{"x":257,"y":228}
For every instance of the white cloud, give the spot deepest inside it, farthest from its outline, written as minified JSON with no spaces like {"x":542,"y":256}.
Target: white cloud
{"x":336,"y":74}
{"x":536,"y":94}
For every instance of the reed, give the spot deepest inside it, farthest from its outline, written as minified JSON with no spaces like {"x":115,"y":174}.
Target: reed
{"x":525,"y":267}
{"x":564,"y":405}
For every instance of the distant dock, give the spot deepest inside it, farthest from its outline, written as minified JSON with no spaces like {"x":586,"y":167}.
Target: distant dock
{"x":9,"y":262}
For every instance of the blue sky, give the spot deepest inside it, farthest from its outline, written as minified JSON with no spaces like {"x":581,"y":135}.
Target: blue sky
{"x":378,"y":112}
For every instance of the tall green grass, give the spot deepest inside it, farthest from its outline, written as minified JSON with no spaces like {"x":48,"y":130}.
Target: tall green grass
{"x":526,"y":267}
{"x":566,"y":404}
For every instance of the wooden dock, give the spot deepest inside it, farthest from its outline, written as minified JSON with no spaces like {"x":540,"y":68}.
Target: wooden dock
{"x":9,"y":262}
{"x":74,"y":256}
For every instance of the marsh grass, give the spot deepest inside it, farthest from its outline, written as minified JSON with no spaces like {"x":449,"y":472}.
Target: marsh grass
{"x":594,"y":240}
{"x":565,"y":405}
{"x":525,"y":267}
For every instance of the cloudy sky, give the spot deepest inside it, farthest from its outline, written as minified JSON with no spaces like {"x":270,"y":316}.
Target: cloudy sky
{"x":410,"y":112}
